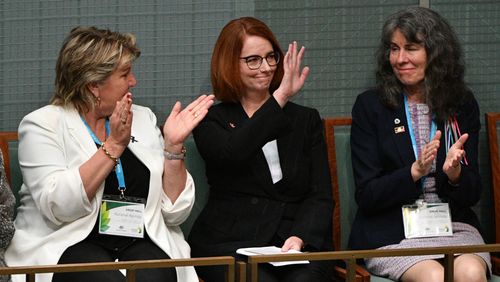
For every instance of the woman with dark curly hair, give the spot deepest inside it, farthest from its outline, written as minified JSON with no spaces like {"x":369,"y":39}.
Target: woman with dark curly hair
{"x":414,"y":146}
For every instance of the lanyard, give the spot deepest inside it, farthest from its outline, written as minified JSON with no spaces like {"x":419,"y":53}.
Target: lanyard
{"x":118,"y":169}
{"x":410,"y":129}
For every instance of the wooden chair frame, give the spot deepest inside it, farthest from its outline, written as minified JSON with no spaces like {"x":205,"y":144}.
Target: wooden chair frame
{"x":130,"y":266}
{"x":5,"y":138}
{"x":362,"y":275}
{"x":329,"y":125}
{"x":492,"y":120}
{"x":352,"y":256}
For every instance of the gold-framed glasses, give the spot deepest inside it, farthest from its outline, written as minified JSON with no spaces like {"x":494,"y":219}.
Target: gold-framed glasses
{"x":254,"y":62}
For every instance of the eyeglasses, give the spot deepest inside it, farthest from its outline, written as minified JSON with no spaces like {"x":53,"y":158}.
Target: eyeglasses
{"x":254,"y":62}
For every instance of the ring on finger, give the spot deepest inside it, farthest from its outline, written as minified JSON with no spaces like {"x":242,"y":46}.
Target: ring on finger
{"x":123,"y":120}
{"x":196,"y":114}
{"x":420,"y":164}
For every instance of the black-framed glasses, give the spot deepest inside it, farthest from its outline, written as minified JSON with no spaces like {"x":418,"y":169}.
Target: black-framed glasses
{"x":254,"y":62}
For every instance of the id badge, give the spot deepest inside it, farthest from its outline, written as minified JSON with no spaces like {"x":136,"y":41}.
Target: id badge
{"x":122,"y":217}
{"x":427,"y":220}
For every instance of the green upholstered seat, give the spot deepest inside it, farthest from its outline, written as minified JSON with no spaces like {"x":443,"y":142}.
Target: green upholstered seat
{"x":15,"y":170}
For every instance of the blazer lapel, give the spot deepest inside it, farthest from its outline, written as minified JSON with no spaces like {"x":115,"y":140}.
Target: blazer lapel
{"x":79,"y":132}
{"x":401,"y":135}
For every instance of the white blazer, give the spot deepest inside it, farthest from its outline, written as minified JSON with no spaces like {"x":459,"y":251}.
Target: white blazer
{"x":55,"y":212}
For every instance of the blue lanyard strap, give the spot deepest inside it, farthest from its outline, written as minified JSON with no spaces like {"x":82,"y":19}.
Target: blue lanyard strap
{"x":412,"y":133}
{"x":118,"y":169}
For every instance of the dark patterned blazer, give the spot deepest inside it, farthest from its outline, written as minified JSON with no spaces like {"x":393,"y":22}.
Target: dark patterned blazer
{"x":245,"y":208}
{"x":381,"y":160}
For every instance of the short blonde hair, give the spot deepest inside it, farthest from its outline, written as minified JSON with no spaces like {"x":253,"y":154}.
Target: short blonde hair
{"x":89,"y":55}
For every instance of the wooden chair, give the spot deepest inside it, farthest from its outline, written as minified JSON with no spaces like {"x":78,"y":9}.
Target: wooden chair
{"x":492,"y":121}
{"x":5,"y":138}
{"x":345,"y":206}
{"x":337,"y":136}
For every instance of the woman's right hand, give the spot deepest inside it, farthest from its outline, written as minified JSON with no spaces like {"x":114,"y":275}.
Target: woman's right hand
{"x":423,"y":165}
{"x":293,"y":77}
{"x":120,"y":125}
{"x":94,"y":171}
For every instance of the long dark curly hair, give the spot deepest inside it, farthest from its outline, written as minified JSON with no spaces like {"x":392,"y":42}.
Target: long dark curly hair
{"x":444,"y":86}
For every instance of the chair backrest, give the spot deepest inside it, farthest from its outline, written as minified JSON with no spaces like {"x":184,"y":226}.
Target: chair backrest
{"x":492,"y":121}
{"x":492,"y":128}
{"x":6,"y":138}
{"x":9,"y":146}
{"x":196,"y":167}
{"x":337,"y":136}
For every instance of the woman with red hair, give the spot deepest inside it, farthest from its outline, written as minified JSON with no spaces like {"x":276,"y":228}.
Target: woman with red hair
{"x":265,"y":157}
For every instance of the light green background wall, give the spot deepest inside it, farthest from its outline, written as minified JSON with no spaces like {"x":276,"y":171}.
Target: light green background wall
{"x":177,"y":37}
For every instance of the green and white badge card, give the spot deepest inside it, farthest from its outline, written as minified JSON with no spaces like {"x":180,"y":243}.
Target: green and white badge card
{"x":121,"y":218}
{"x":427,"y":220}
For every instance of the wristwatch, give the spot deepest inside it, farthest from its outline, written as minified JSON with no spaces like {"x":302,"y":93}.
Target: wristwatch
{"x":172,"y":156}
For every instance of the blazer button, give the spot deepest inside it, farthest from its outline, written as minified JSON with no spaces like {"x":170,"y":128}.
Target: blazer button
{"x":254,"y":201}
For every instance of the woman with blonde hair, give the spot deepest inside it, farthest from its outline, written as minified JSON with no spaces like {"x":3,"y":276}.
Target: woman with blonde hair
{"x":101,"y":181}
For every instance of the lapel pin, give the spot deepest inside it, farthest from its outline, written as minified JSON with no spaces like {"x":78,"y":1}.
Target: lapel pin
{"x":399,"y":129}
{"x":232,"y":125}
{"x":397,"y":121}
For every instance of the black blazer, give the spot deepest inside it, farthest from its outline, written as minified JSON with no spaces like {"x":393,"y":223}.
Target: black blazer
{"x":381,"y":160}
{"x":245,"y":208}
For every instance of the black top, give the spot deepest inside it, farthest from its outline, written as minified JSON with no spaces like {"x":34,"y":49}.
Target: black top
{"x":137,"y":185}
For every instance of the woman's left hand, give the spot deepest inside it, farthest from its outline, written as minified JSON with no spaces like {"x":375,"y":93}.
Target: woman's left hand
{"x":292,"y":243}
{"x":180,"y":123}
{"x":456,"y":153}
{"x":293,"y":77}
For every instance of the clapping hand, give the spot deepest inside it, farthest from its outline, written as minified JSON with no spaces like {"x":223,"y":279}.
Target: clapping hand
{"x":120,"y":122}
{"x":423,"y":165}
{"x":180,"y":123}
{"x":454,"y":156}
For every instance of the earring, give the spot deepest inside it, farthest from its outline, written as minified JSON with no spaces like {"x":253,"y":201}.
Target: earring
{"x":98,"y":101}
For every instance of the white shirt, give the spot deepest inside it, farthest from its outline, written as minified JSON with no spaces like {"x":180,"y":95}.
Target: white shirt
{"x":273,"y":160}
